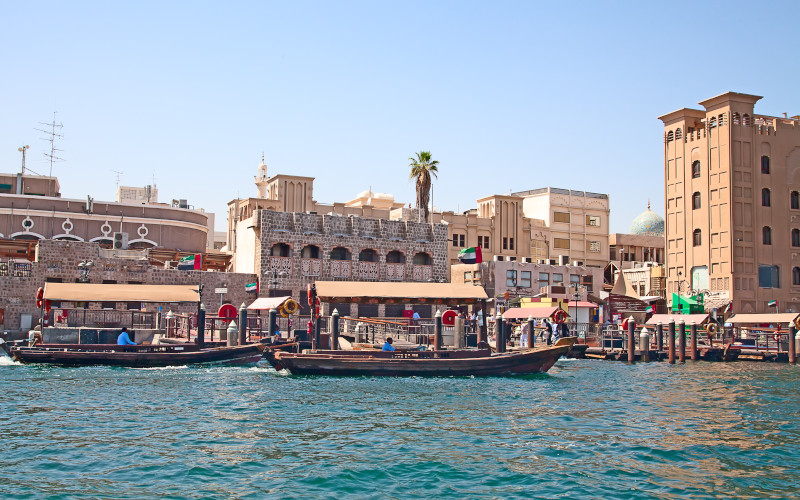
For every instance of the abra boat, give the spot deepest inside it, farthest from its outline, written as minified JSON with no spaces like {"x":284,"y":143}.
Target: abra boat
{"x":476,"y":362}
{"x":135,"y":356}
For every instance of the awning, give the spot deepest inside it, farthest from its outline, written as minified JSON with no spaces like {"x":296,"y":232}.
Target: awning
{"x":581,"y":303}
{"x":108,"y":292}
{"x":527,"y":312}
{"x":377,"y":292}
{"x":267,"y":303}
{"x":666,"y":319}
{"x":763,"y":318}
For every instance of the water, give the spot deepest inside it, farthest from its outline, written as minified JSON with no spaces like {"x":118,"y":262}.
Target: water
{"x":588,"y":429}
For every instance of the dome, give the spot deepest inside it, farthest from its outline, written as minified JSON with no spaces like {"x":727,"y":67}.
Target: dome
{"x":648,"y":223}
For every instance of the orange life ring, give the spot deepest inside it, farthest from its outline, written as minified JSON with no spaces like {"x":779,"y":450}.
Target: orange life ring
{"x":711,"y":329}
{"x":797,"y":323}
{"x":291,"y":306}
{"x":560,"y":316}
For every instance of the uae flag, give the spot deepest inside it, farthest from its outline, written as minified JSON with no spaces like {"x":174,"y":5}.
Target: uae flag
{"x":649,"y":309}
{"x":772,"y":303}
{"x":470,"y":255}
{"x":251,"y":287}
{"x":191,"y":262}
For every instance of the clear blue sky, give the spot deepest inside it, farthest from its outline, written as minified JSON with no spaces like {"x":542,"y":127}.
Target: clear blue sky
{"x":506,"y":95}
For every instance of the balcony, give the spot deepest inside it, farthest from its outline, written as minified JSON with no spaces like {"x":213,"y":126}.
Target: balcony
{"x":422,"y":272}
{"x":311,"y":267}
{"x":340,"y":268}
{"x":395,"y":272}
{"x":368,"y":270}
{"x":281,"y":264}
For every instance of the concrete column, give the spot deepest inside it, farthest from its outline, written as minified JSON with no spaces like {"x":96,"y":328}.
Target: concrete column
{"x":672,"y":342}
{"x":644,"y":344}
{"x":437,"y":331}
{"x":682,"y":342}
{"x":233,"y":333}
{"x":693,"y":345}
{"x":335,"y":330}
{"x":458,"y":333}
{"x":201,"y":326}
{"x":242,"y":324}
{"x":631,"y":340}
{"x":500,"y":342}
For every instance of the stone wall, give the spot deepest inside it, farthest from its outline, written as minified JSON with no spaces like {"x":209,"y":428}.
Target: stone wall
{"x":57,"y":260}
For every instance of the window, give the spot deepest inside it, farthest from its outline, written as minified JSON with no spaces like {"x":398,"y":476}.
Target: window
{"x":697,"y":238}
{"x":695,"y":169}
{"x":544,"y":279}
{"x":467,"y":275}
{"x":765,"y":198}
{"x":422,"y":259}
{"x":561,"y":217}
{"x":368,"y":255}
{"x":796,"y":276}
{"x":310,"y":252}
{"x":340,"y":253}
{"x":395,"y":257}
{"x":594,"y":246}
{"x":483,"y":241}
{"x":796,"y":237}
{"x":511,"y":278}
{"x":588,"y":282}
{"x":765,"y":164}
{"x":558,"y":279}
{"x":768,"y":277}
{"x":670,"y":136}
{"x":511,"y":243}
{"x":677,"y":134}
{"x":712,"y":123}
{"x":593,"y":220}
{"x":795,"y":200}
{"x":525,"y":279}
{"x":505,"y":243}
{"x":458,"y":240}
{"x":281,"y":250}
{"x":766,"y":235}
{"x":560,"y":243}
{"x":695,"y":200}
{"x":574,"y":279}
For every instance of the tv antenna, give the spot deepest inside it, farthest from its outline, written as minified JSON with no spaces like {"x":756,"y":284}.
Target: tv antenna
{"x":53,"y":135}
{"x":118,"y":175}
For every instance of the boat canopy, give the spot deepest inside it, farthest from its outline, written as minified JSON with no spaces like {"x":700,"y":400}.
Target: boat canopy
{"x":112,"y":292}
{"x":763,"y":318}
{"x":530,"y":312}
{"x":267,"y":303}
{"x":666,"y":319}
{"x":377,"y":292}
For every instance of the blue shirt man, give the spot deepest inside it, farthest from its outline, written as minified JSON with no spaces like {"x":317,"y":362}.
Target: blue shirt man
{"x":124,"y":339}
{"x":388,"y":345}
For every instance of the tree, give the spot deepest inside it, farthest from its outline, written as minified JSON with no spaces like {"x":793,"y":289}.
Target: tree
{"x":422,"y":167}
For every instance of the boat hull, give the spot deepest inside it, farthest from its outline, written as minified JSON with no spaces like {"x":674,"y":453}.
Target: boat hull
{"x":513,"y":363}
{"x":110,"y":356}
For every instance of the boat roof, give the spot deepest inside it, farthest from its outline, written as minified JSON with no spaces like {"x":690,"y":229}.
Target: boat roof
{"x":530,"y":312}
{"x":763,"y":318}
{"x":378,"y":292}
{"x":112,"y":292}
{"x":267,"y":303}
{"x":666,"y":319}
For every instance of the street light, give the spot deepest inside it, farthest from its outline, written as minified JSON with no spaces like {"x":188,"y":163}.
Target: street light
{"x":275,"y":278}
{"x":84,"y":268}
{"x":578,"y":289}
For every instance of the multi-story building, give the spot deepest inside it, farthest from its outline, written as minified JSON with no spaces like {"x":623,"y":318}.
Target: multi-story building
{"x":732,"y":191}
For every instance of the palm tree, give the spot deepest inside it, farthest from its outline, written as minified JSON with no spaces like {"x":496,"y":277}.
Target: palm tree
{"x":422,"y":167}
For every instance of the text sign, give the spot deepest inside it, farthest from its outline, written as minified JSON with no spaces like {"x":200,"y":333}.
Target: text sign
{"x":220,"y":290}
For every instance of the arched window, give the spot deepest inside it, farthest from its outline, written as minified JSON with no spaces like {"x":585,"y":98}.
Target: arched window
{"x":795,"y":200}
{"x":695,"y":169}
{"x":341,"y":253}
{"x":395,"y":257}
{"x":796,"y":237}
{"x":766,"y":199}
{"x":796,"y":276}
{"x":670,"y":136}
{"x":736,"y":119}
{"x":422,"y":259}
{"x":281,"y":250}
{"x":368,"y":255}
{"x":697,"y":238}
{"x":765,"y":164}
{"x":712,"y":123}
{"x":746,"y":120}
{"x":721,"y":120}
{"x":696,"y":201}
{"x":678,"y":134}
{"x":766,"y":235}
{"x":310,"y":252}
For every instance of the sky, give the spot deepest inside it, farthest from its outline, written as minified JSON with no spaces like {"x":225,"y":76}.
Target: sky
{"x":507,"y":96}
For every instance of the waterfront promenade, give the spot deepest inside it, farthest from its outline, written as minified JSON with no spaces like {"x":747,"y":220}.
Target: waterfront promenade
{"x":587,"y":429}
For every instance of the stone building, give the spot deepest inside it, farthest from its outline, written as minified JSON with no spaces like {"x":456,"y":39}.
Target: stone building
{"x":732,"y":191}
{"x":58,"y":260}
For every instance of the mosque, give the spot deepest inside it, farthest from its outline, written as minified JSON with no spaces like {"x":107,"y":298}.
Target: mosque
{"x":640,"y":255}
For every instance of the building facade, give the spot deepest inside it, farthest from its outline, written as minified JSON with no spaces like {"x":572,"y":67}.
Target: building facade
{"x":732,"y":191}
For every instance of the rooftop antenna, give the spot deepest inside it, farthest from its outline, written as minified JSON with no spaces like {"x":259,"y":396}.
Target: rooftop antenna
{"x":53,"y":135}
{"x":118,"y":175}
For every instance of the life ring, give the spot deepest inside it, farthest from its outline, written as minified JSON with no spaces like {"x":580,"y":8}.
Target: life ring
{"x":712,"y":329}
{"x":283,"y":313}
{"x":310,"y":295}
{"x":47,"y":305}
{"x":625,"y":323}
{"x":39,"y":297}
{"x":560,"y":316}
{"x":291,"y":306}
{"x":449,"y":318}
{"x":227,"y":312}
{"x":797,"y":323}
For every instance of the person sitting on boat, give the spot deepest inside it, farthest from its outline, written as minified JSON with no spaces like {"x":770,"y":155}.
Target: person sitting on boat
{"x":124,"y":339}
{"x":388,"y":345}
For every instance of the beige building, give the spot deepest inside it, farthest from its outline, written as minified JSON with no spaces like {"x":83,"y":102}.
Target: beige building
{"x":732,"y":191}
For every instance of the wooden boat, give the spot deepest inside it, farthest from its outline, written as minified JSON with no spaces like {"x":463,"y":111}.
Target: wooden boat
{"x":477,"y":362}
{"x":135,"y":356}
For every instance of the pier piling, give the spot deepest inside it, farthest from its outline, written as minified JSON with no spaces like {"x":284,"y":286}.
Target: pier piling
{"x":437,"y":331}
{"x":631,"y":340}
{"x":531,"y":333}
{"x":659,"y":337}
{"x":682,"y":342}
{"x":335,"y":330}
{"x":317,"y":332}
{"x":242,"y":324}
{"x":693,"y":346}
{"x":201,"y":326}
{"x":499,"y":337}
{"x":273,"y":322}
{"x":644,"y":344}
{"x":458,"y":332}
{"x":792,"y":344}
{"x":671,"y":342}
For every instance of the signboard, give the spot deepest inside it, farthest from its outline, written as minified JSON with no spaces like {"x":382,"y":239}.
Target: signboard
{"x":220,"y":290}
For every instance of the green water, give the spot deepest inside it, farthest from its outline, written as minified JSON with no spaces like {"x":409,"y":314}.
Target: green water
{"x":587,"y":429}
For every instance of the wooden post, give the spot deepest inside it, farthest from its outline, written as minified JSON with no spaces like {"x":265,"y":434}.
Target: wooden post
{"x":531,"y":334}
{"x":437,"y":331}
{"x":499,"y":341}
{"x":682,"y":342}
{"x":659,"y":337}
{"x":631,"y":340}
{"x":672,"y":342}
{"x":693,"y":346}
{"x":792,"y":345}
{"x":242,"y":324}
{"x":273,"y":322}
{"x":335,"y":330}
{"x":317,"y":332}
{"x":458,"y":332}
{"x":201,"y":326}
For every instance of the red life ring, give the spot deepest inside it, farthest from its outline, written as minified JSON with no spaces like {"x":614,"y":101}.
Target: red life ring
{"x":39,"y":297}
{"x":227,"y":312}
{"x":449,"y":318}
{"x":560,"y":316}
{"x":625,"y":324}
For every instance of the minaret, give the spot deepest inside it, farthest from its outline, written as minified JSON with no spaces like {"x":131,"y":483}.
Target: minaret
{"x":261,"y":179}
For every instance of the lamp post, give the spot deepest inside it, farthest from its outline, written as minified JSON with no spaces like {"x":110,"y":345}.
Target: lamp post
{"x":84,"y":268}
{"x":275,"y":279}
{"x":578,"y":289}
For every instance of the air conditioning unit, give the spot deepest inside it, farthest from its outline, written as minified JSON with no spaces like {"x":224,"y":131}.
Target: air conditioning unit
{"x":577,"y":262}
{"x":120,"y":241}
{"x":563,"y":260}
